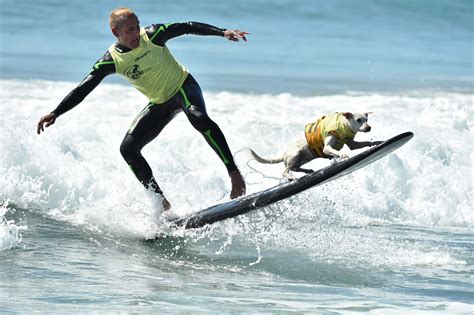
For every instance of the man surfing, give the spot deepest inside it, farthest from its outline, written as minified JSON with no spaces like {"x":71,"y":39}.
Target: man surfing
{"x":141,"y":56}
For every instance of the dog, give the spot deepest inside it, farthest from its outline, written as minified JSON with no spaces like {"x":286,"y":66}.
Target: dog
{"x":323,"y":139}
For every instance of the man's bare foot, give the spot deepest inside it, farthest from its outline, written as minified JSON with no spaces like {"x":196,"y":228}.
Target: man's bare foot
{"x":238,"y":184}
{"x":166,"y":204}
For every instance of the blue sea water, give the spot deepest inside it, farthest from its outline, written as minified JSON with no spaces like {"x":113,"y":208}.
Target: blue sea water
{"x":394,"y":237}
{"x":303,"y":46}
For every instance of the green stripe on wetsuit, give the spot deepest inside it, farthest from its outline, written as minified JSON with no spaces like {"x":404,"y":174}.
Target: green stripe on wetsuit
{"x":161,"y":29}
{"x":97,"y":65}
{"x":214,"y":143}
{"x":187,"y":103}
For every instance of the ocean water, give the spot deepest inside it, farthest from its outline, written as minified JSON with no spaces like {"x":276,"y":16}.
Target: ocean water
{"x":394,"y":237}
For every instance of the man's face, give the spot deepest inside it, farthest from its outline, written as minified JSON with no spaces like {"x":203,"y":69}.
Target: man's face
{"x":129,"y":33}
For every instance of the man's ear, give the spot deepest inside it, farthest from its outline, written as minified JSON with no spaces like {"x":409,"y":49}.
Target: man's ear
{"x":348,"y":115}
{"x":115,"y":31}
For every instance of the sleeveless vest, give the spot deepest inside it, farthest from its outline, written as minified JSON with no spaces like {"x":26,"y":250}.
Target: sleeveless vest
{"x":151,"y":69}
{"x":330,"y":124}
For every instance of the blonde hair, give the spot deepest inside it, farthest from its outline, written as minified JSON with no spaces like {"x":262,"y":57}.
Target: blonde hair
{"x":119,"y":16}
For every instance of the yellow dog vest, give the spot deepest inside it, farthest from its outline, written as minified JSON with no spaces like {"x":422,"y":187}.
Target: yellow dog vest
{"x":330,"y":124}
{"x":151,"y":69}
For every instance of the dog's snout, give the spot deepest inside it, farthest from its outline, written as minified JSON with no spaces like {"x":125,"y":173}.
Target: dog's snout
{"x":365,"y":128}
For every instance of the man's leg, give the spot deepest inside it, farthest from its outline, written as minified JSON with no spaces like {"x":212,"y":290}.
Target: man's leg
{"x":146,"y":126}
{"x":194,"y":107}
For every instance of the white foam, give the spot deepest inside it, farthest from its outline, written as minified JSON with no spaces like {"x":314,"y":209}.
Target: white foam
{"x":10,"y":236}
{"x":74,"y":170}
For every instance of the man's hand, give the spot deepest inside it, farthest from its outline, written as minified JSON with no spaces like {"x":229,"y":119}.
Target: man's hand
{"x":46,"y":121}
{"x":234,"y":35}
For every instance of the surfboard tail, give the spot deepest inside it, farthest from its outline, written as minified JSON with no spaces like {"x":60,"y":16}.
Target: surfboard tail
{"x":260,"y":159}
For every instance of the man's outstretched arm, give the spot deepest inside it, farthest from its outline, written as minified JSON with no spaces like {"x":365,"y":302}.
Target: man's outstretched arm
{"x":101,"y":69}
{"x":159,"y":34}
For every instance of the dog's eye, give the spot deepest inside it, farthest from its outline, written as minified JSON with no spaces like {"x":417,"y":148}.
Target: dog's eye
{"x":359,"y":120}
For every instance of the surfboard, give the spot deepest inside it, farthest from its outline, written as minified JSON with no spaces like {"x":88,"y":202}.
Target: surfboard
{"x":266,"y":197}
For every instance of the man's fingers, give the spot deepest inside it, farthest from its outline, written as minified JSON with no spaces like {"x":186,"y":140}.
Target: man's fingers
{"x":242,"y":34}
{"x":45,"y":121}
{"x":40,"y":128}
{"x":234,"y":35}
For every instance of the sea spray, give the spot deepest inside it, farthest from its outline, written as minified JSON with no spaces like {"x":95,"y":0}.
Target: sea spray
{"x":10,"y":236}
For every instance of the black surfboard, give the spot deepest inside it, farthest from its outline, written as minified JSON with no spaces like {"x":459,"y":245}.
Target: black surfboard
{"x":284,"y":190}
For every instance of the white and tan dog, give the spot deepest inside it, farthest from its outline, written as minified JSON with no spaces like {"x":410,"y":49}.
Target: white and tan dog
{"x":323,"y":139}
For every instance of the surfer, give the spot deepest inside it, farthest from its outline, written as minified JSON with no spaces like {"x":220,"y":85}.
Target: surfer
{"x":141,"y":56}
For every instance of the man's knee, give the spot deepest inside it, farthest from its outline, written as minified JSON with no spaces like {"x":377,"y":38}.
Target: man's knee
{"x":199,"y":120}
{"x":128,"y":148}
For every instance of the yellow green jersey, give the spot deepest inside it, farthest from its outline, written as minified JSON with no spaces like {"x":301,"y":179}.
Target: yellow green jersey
{"x":151,"y":69}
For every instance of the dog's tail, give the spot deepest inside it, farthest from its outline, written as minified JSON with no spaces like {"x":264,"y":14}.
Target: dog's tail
{"x":265,"y":160}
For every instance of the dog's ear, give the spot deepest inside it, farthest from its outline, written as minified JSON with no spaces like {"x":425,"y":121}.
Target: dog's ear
{"x":348,"y":115}
{"x":367,"y":114}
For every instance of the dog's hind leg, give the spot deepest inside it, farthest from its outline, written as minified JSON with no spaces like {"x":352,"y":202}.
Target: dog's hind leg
{"x":287,"y":174}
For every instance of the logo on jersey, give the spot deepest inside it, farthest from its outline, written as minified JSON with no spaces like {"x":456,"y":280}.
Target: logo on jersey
{"x":142,"y":56}
{"x":134,"y":72}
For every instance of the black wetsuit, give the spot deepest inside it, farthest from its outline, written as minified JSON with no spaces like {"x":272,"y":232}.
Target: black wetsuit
{"x":154,"y":117}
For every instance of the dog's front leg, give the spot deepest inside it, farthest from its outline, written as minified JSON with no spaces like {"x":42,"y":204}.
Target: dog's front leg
{"x":353,"y":145}
{"x":329,"y":141}
{"x":330,"y":151}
